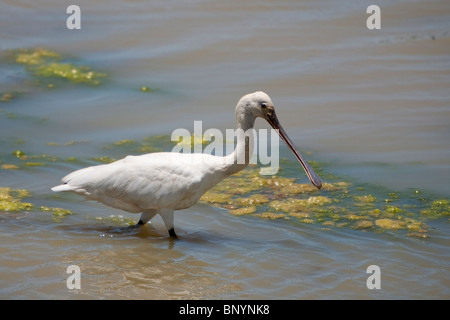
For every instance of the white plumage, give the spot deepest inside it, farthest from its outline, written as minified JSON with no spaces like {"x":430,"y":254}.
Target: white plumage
{"x":159,"y":183}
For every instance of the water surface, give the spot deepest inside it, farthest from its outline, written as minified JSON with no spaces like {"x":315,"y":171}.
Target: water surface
{"x":371,"y":108}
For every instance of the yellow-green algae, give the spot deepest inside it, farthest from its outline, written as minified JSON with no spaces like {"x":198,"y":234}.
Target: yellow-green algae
{"x":337,"y":204}
{"x":71,"y":72}
{"x":145,"y":89}
{"x":8,"y":96}
{"x":66,"y":144}
{"x":148,"y":89}
{"x":362,"y":224}
{"x":365,"y":199}
{"x":242,"y":211}
{"x":393,"y":210}
{"x":390,"y":224}
{"x":124,"y":141}
{"x":253,"y":200}
{"x":34,"y":164}
{"x":33,"y":56}
{"x":117,"y":219}
{"x":58,"y":213}
{"x":126,"y":147}
{"x":190,"y":143}
{"x":104,"y":159}
{"x":438,"y":209}
{"x":18,"y":153}
{"x":300,"y":215}
{"x":11,"y":200}
{"x":19,"y":159}
{"x":212,"y":197}
{"x":8,"y":166}
{"x":270,"y":215}
{"x":46,"y":64}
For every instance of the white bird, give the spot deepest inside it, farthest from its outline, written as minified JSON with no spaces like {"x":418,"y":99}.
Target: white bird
{"x":159,"y":183}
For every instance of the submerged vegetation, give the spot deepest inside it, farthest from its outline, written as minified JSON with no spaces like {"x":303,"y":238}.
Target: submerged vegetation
{"x":8,"y":96}
{"x":47,"y":67}
{"x":11,"y":202}
{"x":18,"y":159}
{"x":339,"y":204}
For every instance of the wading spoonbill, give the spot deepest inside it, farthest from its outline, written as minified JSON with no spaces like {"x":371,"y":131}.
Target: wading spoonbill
{"x":159,"y":183}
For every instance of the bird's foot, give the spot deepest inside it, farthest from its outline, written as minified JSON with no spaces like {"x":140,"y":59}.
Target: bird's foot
{"x":172,"y":233}
{"x":140,"y":223}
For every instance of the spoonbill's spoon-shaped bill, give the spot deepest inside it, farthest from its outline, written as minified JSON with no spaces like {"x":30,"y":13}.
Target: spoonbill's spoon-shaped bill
{"x":312,"y":175}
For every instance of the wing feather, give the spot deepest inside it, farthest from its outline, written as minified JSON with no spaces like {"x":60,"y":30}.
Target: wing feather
{"x":138,"y":183}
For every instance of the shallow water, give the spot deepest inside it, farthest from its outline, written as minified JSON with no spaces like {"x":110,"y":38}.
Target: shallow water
{"x":368,"y":107}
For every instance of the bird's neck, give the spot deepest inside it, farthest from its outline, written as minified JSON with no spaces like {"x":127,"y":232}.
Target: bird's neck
{"x":245,"y":136}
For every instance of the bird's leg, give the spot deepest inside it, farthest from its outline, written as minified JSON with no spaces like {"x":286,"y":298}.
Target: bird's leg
{"x":167,"y":216}
{"x":146,"y":216}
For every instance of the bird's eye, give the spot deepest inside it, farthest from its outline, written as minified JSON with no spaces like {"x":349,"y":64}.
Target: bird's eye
{"x":263,"y":105}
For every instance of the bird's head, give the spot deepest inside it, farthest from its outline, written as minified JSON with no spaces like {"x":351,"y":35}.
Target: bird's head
{"x":259,"y":105}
